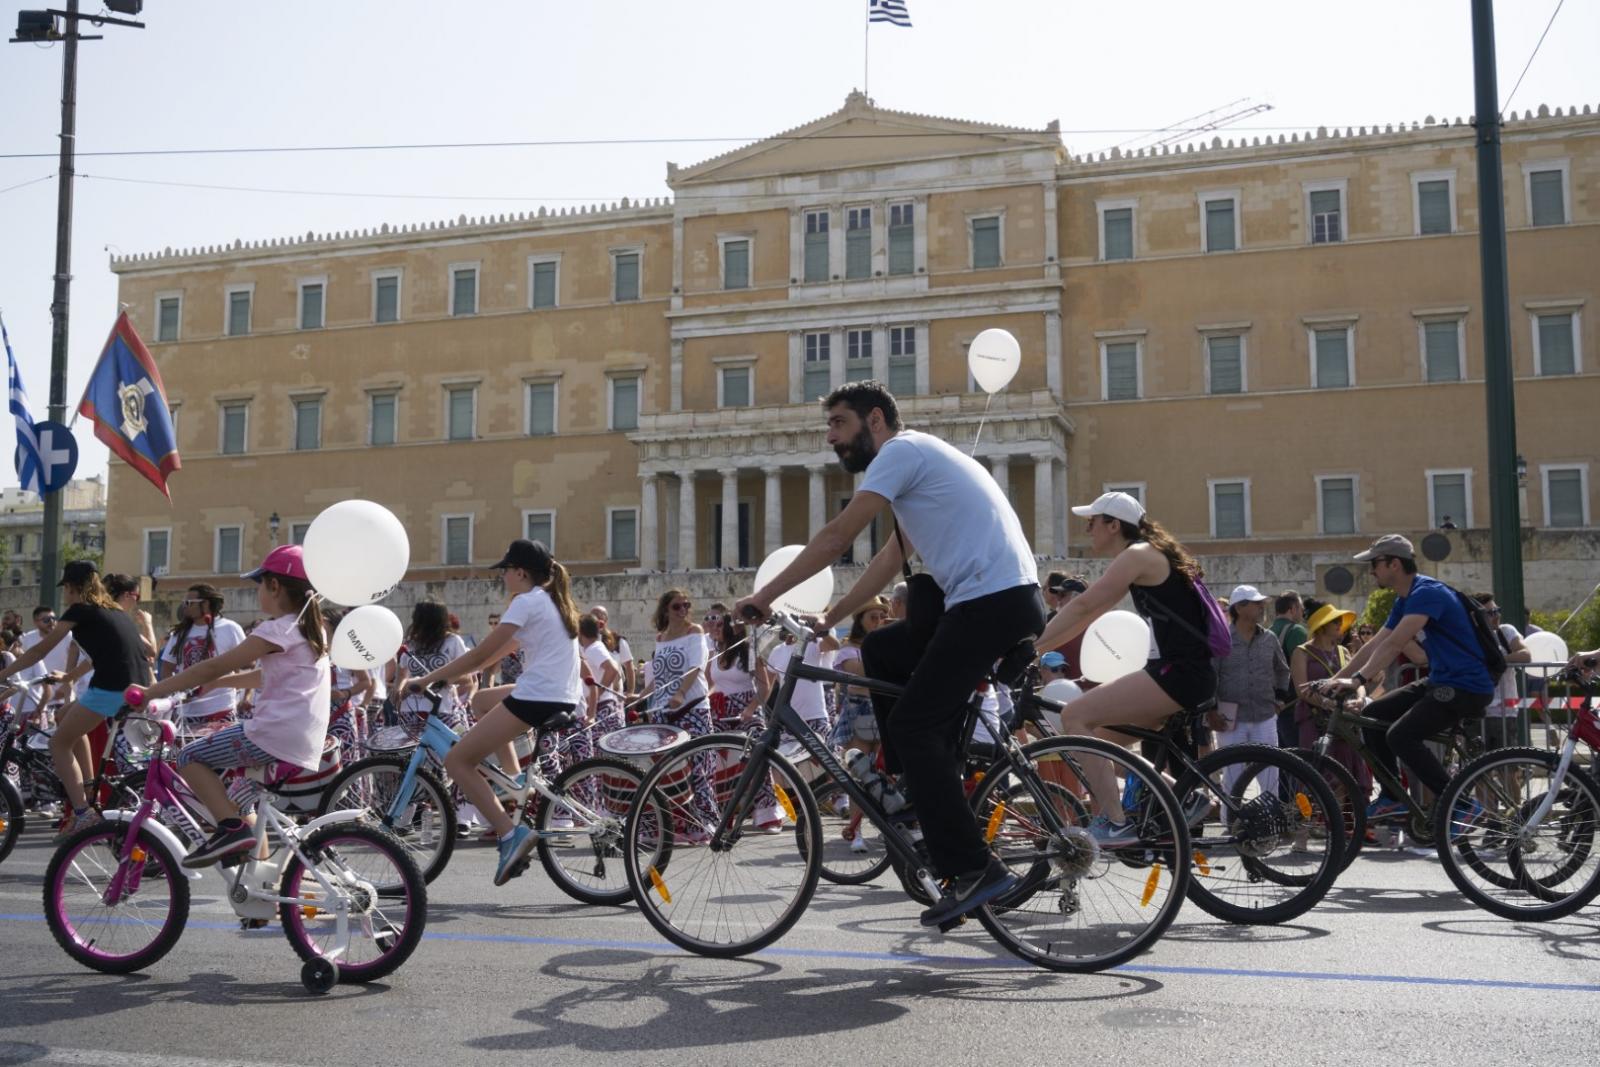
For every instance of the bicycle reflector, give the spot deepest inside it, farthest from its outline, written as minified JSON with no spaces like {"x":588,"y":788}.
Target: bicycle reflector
{"x":996,"y":817}
{"x":1150,"y":884}
{"x":660,"y":885}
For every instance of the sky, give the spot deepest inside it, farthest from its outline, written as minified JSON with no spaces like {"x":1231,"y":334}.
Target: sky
{"x":706,"y":75}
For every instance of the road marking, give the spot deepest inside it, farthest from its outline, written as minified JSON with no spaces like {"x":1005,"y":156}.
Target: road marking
{"x":27,"y":1052}
{"x":916,"y":959}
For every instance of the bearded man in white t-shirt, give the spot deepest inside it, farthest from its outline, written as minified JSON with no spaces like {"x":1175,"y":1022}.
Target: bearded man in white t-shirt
{"x":949,"y":510}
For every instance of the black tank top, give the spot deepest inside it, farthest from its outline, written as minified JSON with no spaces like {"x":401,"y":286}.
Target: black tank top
{"x":1159,"y":603}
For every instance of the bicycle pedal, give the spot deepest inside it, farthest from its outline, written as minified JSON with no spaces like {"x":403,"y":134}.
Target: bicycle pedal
{"x":950,"y":924}
{"x":233,"y":860}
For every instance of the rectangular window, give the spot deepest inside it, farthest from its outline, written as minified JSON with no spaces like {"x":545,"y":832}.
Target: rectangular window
{"x":986,"y":242}
{"x":169,"y":310}
{"x":622,"y":534}
{"x":464,"y":291}
{"x":297,"y":532}
{"x":1229,"y":510}
{"x":1332,"y":358}
{"x":382,"y":422}
{"x":235,"y":423}
{"x":1220,"y":223}
{"x":1338,"y":503}
{"x":238,"y":313}
{"x":818,"y":366}
{"x":736,"y":387}
{"x":1547,"y":197}
{"x":858,"y":355}
{"x":1326,"y":217}
{"x":1225,"y":364}
{"x":1556,"y":352}
{"x":311,"y":306}
{"x":1433,"y":207}
{"x":624,"y":403}
{"x":228,"y":549}
{"x":1117,"y":233}
{"x":1133,"y":489}
{"x":1441,"y":351}
{"x":461,"y":405}
{"x":902,"y":238}
{"x":736,"y":264}
{"x":386,"y":298}
{"x":544,"y":274}
{"x":858,"y":243}
{"x":1121,"y":365}
{"x":902,"y":360}
{"x":816,"y":250}
{"x":1564,"y":496}
{"x":540,"y":526}
{"x":625,"y":276}
{"x":1447,"y":499}
{"x":541,"y":408}
{"x":157,"y":556}
{"x":308,"y":424}
{"x":458,"y":540}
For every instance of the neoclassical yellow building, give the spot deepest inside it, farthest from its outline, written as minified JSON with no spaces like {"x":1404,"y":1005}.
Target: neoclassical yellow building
{"x":1276,"y":344}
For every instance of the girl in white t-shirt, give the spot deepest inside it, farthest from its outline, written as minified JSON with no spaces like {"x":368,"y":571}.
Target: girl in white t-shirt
{"x":543,"y":621}
{"x":203,"y":634}
{"x":429,"y":646}
{"x":606,"y":674}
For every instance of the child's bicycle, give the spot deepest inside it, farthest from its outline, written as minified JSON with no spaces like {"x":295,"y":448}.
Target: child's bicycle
{"x":352,"y":902}
{"x":578,"y":818}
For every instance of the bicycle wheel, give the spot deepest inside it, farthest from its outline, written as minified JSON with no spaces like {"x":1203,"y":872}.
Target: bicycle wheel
{"x":149,"y":890}
{"x":1499,"y":857}
{"x":384,"y":925}
{"x":1081,"y":906}
{"x":1351,"y":799}
{"x":426,"y":825}
{"x":853,"y":852}
{"x":585,"y":860}
{"x":1260,"y":860}
{"x":12,"y":818}
{"x":728,"y":896}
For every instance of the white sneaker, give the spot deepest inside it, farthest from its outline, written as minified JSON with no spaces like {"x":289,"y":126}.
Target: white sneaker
{"x":858,"y":843}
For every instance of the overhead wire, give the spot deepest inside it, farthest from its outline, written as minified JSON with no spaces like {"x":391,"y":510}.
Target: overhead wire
{"x":1531,"y":58}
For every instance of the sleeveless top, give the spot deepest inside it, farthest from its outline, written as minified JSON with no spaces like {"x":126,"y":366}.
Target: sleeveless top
{"x":1173,"y":597}
{"x":731,"y":680}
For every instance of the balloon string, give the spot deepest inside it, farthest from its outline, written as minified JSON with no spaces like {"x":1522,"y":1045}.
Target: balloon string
{"x":987,"y":400}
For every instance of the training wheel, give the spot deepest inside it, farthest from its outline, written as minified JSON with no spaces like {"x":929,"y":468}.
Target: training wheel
{"x":319,"y":975}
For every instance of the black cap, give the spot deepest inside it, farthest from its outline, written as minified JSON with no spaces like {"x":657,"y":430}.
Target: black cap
{"x":78,"y":571}
{"x":530,"y":556}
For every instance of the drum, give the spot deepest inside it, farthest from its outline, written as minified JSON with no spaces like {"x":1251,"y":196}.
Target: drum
{"x":390,"y":740}
{"x":642,"y":745}
{"x":303,"y":791}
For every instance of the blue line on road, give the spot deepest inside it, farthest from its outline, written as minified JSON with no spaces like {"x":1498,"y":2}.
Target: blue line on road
{"x":968,"y":961}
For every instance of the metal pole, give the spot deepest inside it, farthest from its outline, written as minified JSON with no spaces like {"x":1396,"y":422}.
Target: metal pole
{"x":1505,"y":524}
{"x":50,"y":551}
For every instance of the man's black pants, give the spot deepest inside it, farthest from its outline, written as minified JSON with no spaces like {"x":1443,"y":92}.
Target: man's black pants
{"x":921,"y":730}
{"x":1416,"y":712}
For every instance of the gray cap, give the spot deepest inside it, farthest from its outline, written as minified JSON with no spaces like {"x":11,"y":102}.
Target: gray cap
{"x":1388,"y":545}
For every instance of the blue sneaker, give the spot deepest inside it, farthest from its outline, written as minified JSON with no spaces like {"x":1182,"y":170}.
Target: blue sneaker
{"x":1112,"y":835}
{"x":1385,"y":808}
{"x":514,"y":854}
{"x":1464,"y":818}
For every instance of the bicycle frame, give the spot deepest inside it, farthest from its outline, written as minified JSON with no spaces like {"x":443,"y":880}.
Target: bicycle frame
{"x":1585,"y":728}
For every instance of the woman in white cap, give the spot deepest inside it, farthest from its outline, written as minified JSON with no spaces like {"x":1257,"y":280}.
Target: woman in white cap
{"x":1159,"y":574}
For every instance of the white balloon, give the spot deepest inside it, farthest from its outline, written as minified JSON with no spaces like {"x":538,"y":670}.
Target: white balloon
{"x":366,"y":638}
{"x":1546,"y":647}
{"x":1062,"y":691}
{"x":993,"y":358}
{"x":810,"y":597}
{"x":356,"y":552}
{"x":1115,"y":644}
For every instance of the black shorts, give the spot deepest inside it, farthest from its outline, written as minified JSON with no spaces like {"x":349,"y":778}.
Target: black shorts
{"x":538,"y":712}
{"x":1190,"y":682}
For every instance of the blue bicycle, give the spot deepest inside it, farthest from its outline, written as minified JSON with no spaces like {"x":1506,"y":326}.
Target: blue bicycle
{"x":578,"y":818}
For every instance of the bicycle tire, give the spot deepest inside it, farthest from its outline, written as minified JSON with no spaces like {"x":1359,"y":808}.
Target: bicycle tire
{"x":839,"y":865}
{"x":1529,"y":891}
{"x":394,"y":950}
{"x":1353,"y":809}
{"x":672,"y":779}
{"x":432,"y":851}
{"x":605,"y":846}
{"x":159,"y":863}
{"x":13,"y":816}
{"x":1059,"y":867}
{"x":1268,"y":819}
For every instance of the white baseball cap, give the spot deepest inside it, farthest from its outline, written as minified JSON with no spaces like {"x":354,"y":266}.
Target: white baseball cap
{"x":1245,"y":594}
{"x":1116,"y":505}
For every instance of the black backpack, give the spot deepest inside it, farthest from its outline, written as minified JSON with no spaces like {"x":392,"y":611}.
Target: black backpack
{"x":1490,"y":649}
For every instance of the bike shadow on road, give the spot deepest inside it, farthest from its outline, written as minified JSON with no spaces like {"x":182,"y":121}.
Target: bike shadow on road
{"x":63,"y":998}
{"x":699,"y":1003}
{"x":1575,"y":939}
{"x":1220,"y":933}
{"x":1392,"y":901}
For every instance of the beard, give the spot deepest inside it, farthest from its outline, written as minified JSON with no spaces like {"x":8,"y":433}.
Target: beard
{"x":857,"y":453}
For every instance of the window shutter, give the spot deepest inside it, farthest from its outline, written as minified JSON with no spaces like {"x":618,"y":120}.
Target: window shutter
{"x":1227,"y":370}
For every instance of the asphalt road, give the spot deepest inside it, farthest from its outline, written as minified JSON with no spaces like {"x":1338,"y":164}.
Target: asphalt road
{"x":1392,"y":967}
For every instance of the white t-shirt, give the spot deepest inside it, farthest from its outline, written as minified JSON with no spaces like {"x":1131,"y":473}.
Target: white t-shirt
{"x":550,"y":671}
{"x":674,"y":659}
{"x":53,"y":663}
{"x":1507,"y":689}
{"x":418,"y":662}
{"x":596,"y":656}
{"x":808,"y":700}
{"x":226,"y":635}
{"x":930,"y":483}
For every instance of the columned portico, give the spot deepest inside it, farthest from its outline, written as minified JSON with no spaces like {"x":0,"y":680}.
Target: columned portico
{"x":686,"y":530}
{"x":772,"y":495}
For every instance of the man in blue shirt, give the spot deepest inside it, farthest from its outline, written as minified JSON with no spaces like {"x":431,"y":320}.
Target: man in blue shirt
{"x":1458,"y":684}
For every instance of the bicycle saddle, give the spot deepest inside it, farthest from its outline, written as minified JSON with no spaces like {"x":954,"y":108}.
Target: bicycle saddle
{"x":1013,"y":666}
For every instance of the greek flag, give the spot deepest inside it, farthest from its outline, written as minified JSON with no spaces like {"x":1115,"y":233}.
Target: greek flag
{"x":889,"y":11}
{"x":29,"y":471}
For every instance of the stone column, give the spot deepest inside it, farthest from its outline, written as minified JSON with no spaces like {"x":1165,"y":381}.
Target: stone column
{"x":772,"y":534}
{"x":730,"y":518}
{"x":861,"y":550}
{"x":648,"y":523}
{"x":686,"y":540}
{"x":1044,"y":508}
{"x":1000,"y":467}
{"x":818,"y":501}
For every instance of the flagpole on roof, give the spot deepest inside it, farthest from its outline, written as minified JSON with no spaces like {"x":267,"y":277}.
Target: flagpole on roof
{"x":866,"y":53}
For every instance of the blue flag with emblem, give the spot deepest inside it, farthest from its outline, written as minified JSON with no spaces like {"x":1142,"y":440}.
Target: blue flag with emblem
{"x":128,"y":405}
{"x":28,"y":468}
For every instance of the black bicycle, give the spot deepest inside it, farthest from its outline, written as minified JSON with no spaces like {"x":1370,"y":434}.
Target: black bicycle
{"x":733,"y":889}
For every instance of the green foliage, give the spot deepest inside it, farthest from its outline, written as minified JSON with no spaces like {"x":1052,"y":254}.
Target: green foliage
{"x":1583,"y":632}
{"x":1379,"y":603}
{"x":71,"y":550}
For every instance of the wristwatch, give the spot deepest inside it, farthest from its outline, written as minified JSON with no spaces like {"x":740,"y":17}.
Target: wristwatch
{"x":1358,"y":678}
